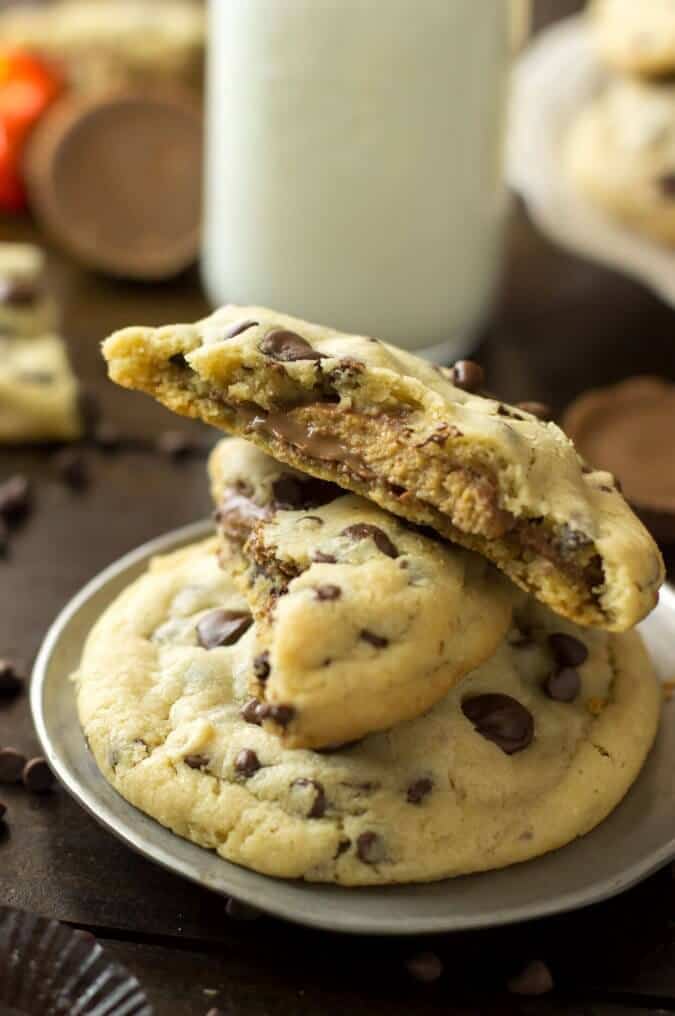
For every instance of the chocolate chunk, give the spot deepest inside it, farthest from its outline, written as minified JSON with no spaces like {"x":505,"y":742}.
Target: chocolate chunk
{"x":568,"y":650}
{"x":278,"y":714}
{"x":11,"y":681}
{"x":238,"y":328}
{"x":534,"y":979}
{"x":11,"y":765}
{"x":500,"y":719}
{"x":239,"y":911}
{"x":107,"y":437}
{"x":15,"y":498}
{"x":572,"y":540}
{"x":364,"y":531}
{"x":261,"y":666}
{"x":342,"y":847}
{"x":374,"y":640}
{"x":667,"y":185}
{"x":563,"y":685}
{"x":247,"y":762}
{"x":424,"y":966}
{"x":18,"y":292}
{"x":318,"y":807}
{"x":175,"y":445}
{"x":37,"y":776}
{"x":418,"y":790}
{"x":468,"y":376}
{"x":295,"y":492}
{"x":319,"y":557}
{"x":71,"y":468}
{"x":250,"y":711}
{"x":178,"y":360}
{"x":222,"y":628}
{"x":196,"y":761}
{"x":328,"y":592}
{"x":370,"y":848}
{"x":538,"y":409}
{"x":284,"y":345}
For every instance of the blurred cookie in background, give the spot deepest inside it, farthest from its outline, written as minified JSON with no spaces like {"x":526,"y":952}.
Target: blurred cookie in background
{"x":635,"y":36}
{"x":25,"y":307}
{"x":38,"y":392}
{"x":629,"y":430}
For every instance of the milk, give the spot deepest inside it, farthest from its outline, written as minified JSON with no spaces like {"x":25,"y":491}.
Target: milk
{"x":354,"y":162}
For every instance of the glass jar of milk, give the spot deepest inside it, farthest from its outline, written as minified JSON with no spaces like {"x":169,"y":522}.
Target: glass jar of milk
{"x":354,"y":162}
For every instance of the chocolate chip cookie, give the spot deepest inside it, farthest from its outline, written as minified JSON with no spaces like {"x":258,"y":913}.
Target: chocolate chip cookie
{"x":38,"y":392}
{"x":529,"y":751}
{"x":635,"y":38}
{"x":411,"y":437}
{"x":362,"y":621}
{"x":25,"y":308}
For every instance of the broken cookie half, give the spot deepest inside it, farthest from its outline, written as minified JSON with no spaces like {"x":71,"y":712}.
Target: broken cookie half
{"x":387,"y":425}
{"x":362,"y":622}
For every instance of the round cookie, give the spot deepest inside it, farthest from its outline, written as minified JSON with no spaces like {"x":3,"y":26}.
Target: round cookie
{"x":497,"y":772}
{"x":634,"y":36}
{"x":620,"y":152}
{"x":362,"y":621}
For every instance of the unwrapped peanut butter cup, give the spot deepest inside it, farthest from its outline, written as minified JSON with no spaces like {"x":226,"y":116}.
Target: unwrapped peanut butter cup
{"x":117,"y":180}
{"x":629,"y":430}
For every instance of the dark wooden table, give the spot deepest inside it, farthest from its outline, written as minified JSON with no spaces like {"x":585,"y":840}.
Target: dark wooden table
{"x":560,"y":325}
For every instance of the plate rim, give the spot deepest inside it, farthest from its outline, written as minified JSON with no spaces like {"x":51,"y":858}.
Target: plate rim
{"x":255,"y":894}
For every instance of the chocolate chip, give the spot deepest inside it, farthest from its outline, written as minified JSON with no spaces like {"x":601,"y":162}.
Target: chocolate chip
{"x":295,"y":492}
{"x":18,"y":292}
{"x":534,"y":979}
{"x":320,"y":558}
{"x":196,"y":761}
{"x":318,"y":806}
{"x":538,"y":409}
{"x":364,"y":531}
{"x":374,"y":640}
{"x":278,"y":714}
{"x":563,"y":685}
{"x":15,"y":498}
{"x":468,"y":376}
{"x":568,"y":650}
{"x":572,"y":540}
{"x":11,"y":681}
{"x":238,"y":328}
{"x":261,"y":666}
{"x":222,"y":628}
{"x":342,"y":847}
{"x":250,"y":711}
{"x":107,"y":437}
{"x":424,"y":966}
{"x":175,"y":445}
{"x":37,"y":776}
{"x":71,"y":468}
{"x":178,"y":360}
{"x":667,"y":185}
{"x":284,"y":345}
{"x":418,"y":790}
{"x":501,"y":719}
{"x":239,"y":911}
{"x":328,"y":592}
{"x":247,"y":762}
{"x":370,"y":848}
{"x":11,"y":765}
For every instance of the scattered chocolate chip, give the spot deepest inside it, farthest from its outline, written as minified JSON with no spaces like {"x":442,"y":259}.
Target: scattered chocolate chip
{"x":285,"y":345}
{"x":196,"y":761}
{"x":3,"y":810}
{"x":563,"y":685}
{"x":468,"y":376}
{"x":71,"y":468}
{"x":295,"y":492}
{"x":667,"y":185}
{"x":11,"y":765}
{"x":175,"y":444}
{"x":238,"y":328}
{"x":15,"y":498}
{"x":424,"y":966}
{"x":364,"y":531}
{"x":328,"y":592}
{"x":318,"y":807}
{"x":568,"y":650}
{"x":239,"y":911}
{"x":370,"y":848}
{"x":107,"y":437}
{"x":11,"y":681}
{"x":222,"y":628}
{"x":261,"y":666}
{"x":538,"y":409}
{"x":247,"y":762}
{"x":501,"y":719}
{"x":374,"y":640}
{"x":18,"y":292}
{"x":534,"y":979}
{"x":418,"y":790}
{"x":37,"y":776}
{"x":320,"y":558}
{"x":278,"y":714}
{"x":250,"y":711}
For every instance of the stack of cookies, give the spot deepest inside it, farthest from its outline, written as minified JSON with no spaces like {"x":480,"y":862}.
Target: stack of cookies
{"x":621,"y":149}
{"x":407,"y":654}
